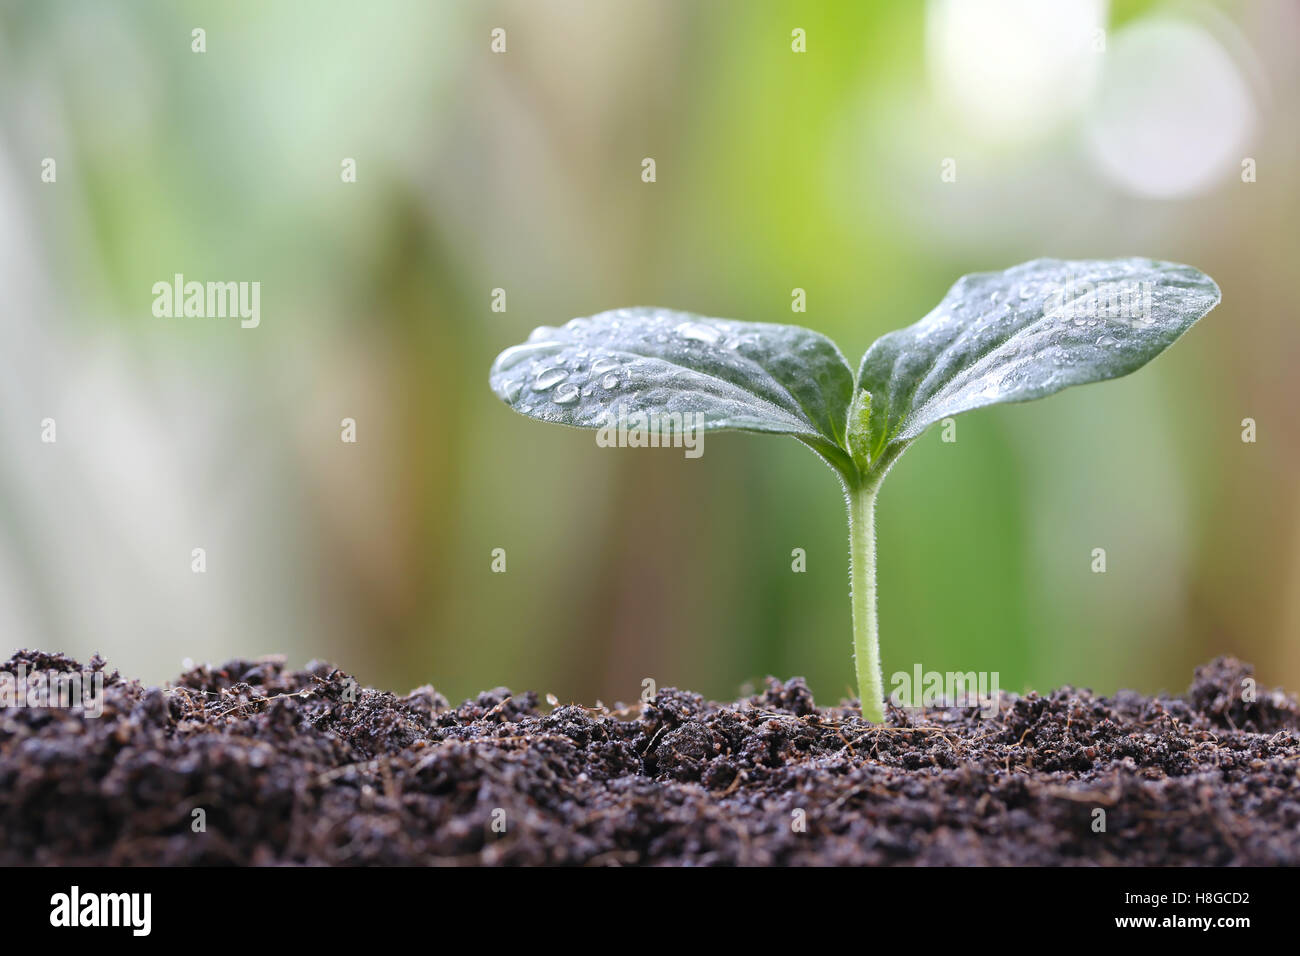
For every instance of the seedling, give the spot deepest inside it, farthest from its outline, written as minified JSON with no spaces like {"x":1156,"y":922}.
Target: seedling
{"x":996,"y":337}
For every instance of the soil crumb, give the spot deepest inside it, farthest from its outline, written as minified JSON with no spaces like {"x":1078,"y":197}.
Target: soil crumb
{"x":249,"y":763}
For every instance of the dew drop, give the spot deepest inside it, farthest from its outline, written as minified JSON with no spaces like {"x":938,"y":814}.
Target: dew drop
{"x":549,"y":378}
{"x":1107,"y":340}
{"x":609,"y":381}
{"x":566,"y":394}
{"x":698,"y":332}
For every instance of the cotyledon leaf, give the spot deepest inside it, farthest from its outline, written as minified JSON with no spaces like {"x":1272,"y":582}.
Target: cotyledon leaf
{"x":1025,"y":333}
{"x":751,"y":376}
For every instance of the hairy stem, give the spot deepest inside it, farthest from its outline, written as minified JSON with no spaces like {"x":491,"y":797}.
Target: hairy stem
{"x":861,"y":494}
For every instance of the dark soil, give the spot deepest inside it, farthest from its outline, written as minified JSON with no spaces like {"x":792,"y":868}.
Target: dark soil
{"x":288,"y":769}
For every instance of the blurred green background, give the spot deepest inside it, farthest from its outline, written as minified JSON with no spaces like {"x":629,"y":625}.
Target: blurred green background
{"x":1078,"y":129}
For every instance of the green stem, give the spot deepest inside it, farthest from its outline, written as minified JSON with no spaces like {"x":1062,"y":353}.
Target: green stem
{"x":861,"y":494}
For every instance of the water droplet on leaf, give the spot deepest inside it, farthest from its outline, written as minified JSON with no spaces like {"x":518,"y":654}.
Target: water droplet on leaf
{"x":549,"y":378}
{"x":698,"y":332}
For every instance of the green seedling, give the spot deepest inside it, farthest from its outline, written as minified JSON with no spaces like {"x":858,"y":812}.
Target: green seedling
{"x":996,"y":337}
